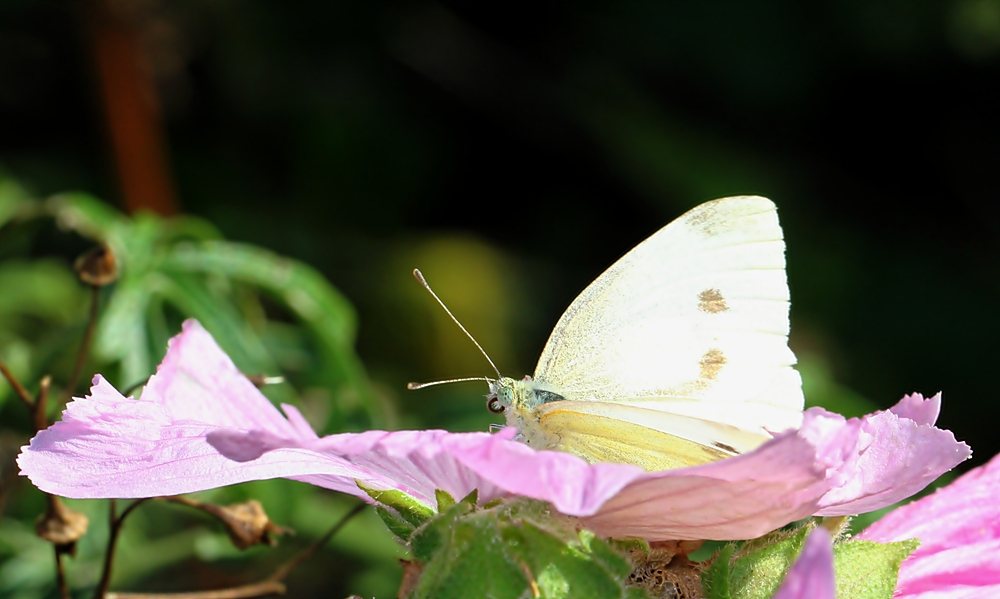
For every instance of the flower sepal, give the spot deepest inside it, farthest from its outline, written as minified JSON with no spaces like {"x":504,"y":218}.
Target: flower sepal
{"x":401,"y":512}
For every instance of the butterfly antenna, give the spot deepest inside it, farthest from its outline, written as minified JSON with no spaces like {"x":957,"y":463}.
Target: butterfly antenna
{"x":415,"y":386}
{"x":420,"y":277}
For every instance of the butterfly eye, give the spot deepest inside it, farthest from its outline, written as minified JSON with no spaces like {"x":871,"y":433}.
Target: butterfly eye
{"x":495,"y":406}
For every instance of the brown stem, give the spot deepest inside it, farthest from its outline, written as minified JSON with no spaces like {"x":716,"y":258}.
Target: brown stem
{"x":184,"y":501}
{"x":115,"y":528}
{"x":272,"y":585}
{"x":21,"y":391}
{"x":61,"y":574}
{"x":308,"y":552}
{"x":36,"y":409}
{"x":88,"y":335}
{"x":257,"y":589}
{"x":128,"y":392}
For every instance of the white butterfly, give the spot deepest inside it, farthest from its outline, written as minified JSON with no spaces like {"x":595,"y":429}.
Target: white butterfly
{"x":676,"y":355}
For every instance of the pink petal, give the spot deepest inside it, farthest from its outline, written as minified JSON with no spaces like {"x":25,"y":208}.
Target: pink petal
{"x":811,"y":577}
{"x":110,"y":446}
{"x":743,"y":497}
{"x":896,"y":458}
{"x":959,"y":531}
{"x":197,"y":381}
{"x":418,"y":462}
{"x":738,"y":498}
{"x":959,"y":592}
{"x":569,"y":483}
{"x":918,"y":409}
{"x":975,"y":565}
{"x":201,"y":424}
{"x":965,"y":512}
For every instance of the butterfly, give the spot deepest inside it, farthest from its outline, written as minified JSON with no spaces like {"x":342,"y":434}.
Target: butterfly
{"x":676,"y":355}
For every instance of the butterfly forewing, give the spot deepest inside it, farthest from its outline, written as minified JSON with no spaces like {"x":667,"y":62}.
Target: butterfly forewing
{"x":692,"y":321}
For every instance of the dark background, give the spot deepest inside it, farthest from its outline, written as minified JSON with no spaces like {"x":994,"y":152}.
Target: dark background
{"x":367,"y":138}
{"x":347,"y":134}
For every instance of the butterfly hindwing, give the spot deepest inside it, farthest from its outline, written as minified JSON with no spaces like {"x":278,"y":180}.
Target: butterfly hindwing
{"x":609,"y":433}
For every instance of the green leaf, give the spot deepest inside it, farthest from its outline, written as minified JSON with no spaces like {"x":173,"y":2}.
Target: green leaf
{"x":301,"y":287}
{"x":45,"y":289}
{"x":436,"y":533}
{"x":307,"y":294}
{"x":869,"y":570}
{"x":502,"y":552}
{"x":605,"y":554}
{"x":89,"y":217}
{"x":220,"y":318}
{"x":465,"y":558}
{"x":121,"y":331}
{"x":13,"y":199}
{"x":568,"y":570}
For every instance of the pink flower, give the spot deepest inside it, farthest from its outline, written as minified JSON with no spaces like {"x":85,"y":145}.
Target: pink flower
{"x":959,"y":531}
{"x":811,"y":576}
{"x":201,"y":424}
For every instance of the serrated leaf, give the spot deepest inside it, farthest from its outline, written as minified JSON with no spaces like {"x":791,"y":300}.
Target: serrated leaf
{"x":869,"y":570}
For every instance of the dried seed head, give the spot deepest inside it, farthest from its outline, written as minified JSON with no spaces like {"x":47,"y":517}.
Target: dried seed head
{"x":97,"y":267}
{"x":248,"y":524}
{"x":61,"y":525}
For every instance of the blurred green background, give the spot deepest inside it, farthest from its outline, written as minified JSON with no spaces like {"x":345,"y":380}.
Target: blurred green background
{"x":363,"y":139}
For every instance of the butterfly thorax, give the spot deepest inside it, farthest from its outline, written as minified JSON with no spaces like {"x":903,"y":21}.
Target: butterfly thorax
{"x":519,"y":400}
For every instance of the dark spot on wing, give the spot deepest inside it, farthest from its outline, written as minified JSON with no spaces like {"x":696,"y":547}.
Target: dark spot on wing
{"x":711,"y":301}
{"x":725,"y":447}
{"x":704,"y":218}
{"x":712,"y":363}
